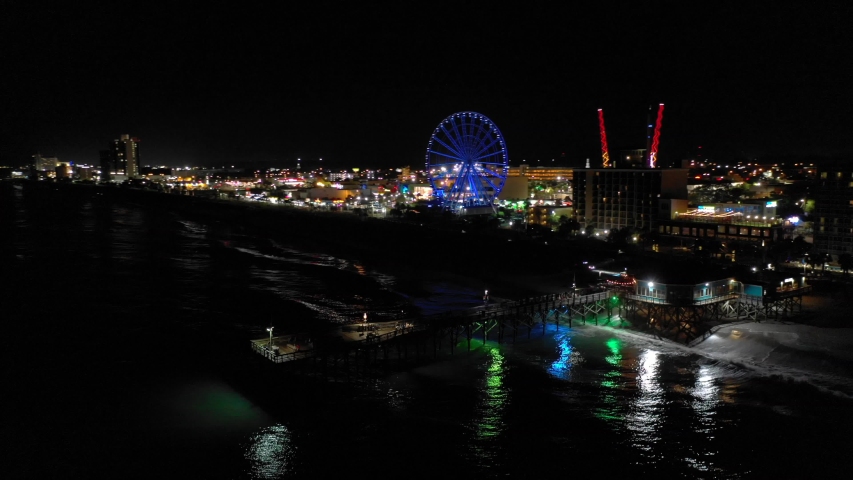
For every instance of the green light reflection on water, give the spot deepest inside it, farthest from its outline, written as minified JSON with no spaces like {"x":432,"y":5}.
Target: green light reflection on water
{"x":609,"y":408}
{"x":492,"y":406}
{"x":615,"y":346}
{"x":212,"y":406}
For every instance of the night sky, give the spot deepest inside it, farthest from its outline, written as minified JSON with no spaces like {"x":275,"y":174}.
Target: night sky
{"x":215,"y":83}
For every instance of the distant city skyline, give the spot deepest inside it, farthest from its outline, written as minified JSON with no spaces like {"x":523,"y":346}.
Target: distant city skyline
{"x":366,"y":87}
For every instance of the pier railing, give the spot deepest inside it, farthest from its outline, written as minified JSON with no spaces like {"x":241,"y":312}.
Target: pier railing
{"x":277,"y":357}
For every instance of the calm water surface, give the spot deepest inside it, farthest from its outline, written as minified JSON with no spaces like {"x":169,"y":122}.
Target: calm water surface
{"x":126,"y":330}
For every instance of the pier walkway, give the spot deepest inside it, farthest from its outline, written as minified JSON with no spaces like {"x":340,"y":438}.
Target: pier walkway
{"x":289,"y":347}
{"x":681,"y":320}
{"x":510,"y":314}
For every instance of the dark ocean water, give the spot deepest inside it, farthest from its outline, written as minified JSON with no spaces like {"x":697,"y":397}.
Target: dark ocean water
{"x":125,"y":347}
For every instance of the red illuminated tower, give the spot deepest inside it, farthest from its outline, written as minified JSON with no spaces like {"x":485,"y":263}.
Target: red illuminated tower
{"x":605,"y":156}
{"x":653,"y":151}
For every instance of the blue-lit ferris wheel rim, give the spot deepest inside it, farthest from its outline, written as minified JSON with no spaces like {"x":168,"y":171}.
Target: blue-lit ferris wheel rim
{"x":466,"y":159}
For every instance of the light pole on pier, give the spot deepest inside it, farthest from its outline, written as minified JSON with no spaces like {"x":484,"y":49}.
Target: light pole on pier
{"x":270,"y":330}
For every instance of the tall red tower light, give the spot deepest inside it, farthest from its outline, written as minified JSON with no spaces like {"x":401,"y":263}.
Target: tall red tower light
{"x":605,"y":156}
{"x":653,"y":152}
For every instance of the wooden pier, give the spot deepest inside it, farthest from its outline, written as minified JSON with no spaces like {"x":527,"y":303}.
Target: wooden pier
{"x":505,"y":322}
{"x":499,"y":322}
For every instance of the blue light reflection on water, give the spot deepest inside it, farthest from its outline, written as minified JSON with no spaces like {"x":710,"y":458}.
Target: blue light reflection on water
{"x":567,"y":357}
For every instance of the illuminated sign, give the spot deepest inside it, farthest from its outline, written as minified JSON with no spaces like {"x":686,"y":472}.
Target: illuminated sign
{"x":706,"y":209}
{"x":771,"y":204}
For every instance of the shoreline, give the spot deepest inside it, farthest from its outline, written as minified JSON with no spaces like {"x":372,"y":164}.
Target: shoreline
{"x":538,"y":270}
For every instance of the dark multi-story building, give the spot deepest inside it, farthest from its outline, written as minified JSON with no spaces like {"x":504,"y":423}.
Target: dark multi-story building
{"x":612,"y":198}
{"x":107,"y":164}
{"x":833,"y":211}
{"x":121,"y":160}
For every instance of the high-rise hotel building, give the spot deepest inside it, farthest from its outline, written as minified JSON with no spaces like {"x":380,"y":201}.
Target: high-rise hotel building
{"x":121,"y":160}
{"x":614,"y":198}
{"x":44,"y":164}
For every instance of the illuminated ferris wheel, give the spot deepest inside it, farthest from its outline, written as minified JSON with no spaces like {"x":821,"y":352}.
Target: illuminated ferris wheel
{"x":467,"y":161}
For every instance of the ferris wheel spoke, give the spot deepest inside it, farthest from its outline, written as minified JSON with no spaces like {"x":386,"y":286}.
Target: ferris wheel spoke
{"x":458,"y":136}
{"x":455,"y":149}
{"x":481,"y":162}
{"x":470,"y":136}
{"x":453,"y":145}
{"x":493,"y":173}
{"x":464,"y":177}
{"x":489,"y":181}
{"x":451,"y":157}
{"x":496,"y":187}
{"x":486,"y":148}
{"x":452,"y":134}
{"x":482,"y":134}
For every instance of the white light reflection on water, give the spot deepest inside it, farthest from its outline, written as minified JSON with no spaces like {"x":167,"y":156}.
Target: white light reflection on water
{"x":646,"y":410}
{"x":706,"y":396}
{"x":706,"y":399}
{"x":270,"y":453}
{"x":397,"y":399}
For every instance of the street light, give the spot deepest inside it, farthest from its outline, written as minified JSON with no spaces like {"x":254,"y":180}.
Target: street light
{"x":270,"y":330}
{"x":486,"y":297}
